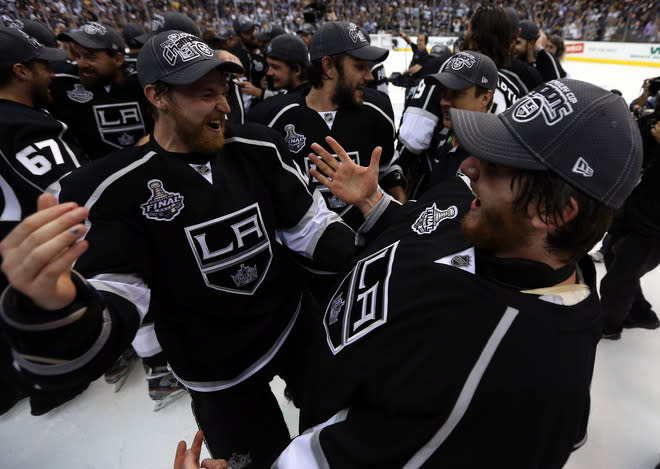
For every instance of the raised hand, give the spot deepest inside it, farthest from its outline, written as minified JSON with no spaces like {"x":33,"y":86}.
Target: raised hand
{"x":189,"y":459}
{"x":38,"y":253}
{"x":354,"y":184}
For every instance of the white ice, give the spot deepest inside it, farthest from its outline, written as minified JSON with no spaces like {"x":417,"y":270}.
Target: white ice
{"x":103,"y":430}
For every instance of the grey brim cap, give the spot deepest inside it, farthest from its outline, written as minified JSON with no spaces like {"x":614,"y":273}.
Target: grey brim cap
{"x":453,"y":82}
{"x":370,"y":53}
{"x":50,"y":54}
{"x":579,"y":131}
{"x":178,"y":58}
{"x":341,"y":37}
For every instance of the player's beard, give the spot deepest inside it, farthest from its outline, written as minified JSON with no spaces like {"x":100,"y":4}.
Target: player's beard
{"x":41,"y":95}
{"x":497,"y":230}
{"x":345,"y":96}
{"x":196,"y":136}
{"x":95,"y":79}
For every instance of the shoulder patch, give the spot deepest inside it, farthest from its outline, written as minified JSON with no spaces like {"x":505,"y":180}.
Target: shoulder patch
{"x":430,"y":218}
{"x":162,"y":205}
{"x":80,"y":94}
{"x":360,"y":304}
{"x":294,"y":140}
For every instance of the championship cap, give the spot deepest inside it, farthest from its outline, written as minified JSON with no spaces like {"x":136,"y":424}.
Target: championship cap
{"x":224,"y":33}
{"x":579,"y":131}
{"x":341,"y":37}
{"x":167,"y":21}
{"x":307,"y":28}
{"x":268,"y":34}
{"x":40,"y":32}
{"x":94,"y":36}
{"x":466,"y":69}
{"x":288,"y":48}
{"x":528,"y":30}
{"x":178,"y":58}
{"x":243,"y":24}
{"x":439,"y":50}
{"x":17,"y":47}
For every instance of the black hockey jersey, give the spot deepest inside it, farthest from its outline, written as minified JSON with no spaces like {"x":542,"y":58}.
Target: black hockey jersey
{"x":36,"y":151}
{"x":103,"y":120}
{"x":201,"y":248}
{"x":423,"y":363}
{"x":359,"y":130}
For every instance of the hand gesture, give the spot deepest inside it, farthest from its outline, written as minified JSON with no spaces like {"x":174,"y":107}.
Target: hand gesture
{"x":354,"y":184}
{"x":38,"y":253}
{"x":189,"y":459}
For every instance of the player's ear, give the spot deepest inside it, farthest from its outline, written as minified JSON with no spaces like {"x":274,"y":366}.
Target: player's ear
{"x":118,"y":59}
{"x":329,"y":67}
{"x":552,"y":221}
{"x":486,"y":98}
{"x":155,"y":98}
{"x":21,"y":71}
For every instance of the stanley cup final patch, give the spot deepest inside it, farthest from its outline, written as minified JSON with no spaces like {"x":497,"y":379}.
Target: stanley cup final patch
{"x":430,"y":218}
{"x":162,"y":205}
{"x":294,"y":140}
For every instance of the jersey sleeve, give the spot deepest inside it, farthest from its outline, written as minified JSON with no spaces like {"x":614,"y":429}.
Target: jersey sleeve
{"x":420,"y":118}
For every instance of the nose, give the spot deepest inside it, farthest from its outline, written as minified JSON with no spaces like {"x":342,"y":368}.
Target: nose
{"x":470,"y":167}
{"x":444,"y":101}
{"x":223,"y":105}
{"x":82,"y":62}
{"x":369,"y":76}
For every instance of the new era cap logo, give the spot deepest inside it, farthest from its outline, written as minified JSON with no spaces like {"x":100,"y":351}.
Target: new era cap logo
{"x":93,"y":28}
{"x":184,"y":47}
{"x":484,"y":80}
{"x":461,"y":60}
{"x":582,"y":167}
{"x":355,"y":34}
{"x":554,"y":102}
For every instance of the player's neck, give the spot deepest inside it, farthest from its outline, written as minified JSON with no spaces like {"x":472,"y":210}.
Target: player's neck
{"x":320,"y":100}
{"x":16,"y":95}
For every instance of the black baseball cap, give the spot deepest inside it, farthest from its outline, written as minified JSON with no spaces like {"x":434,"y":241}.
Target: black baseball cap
{"x":270,"y":33}
{"x":18,"y":47}
{"x":466,"y":69}
{"x":342,"y":37}
{"x":579,"y":131}
{"x":170,"y":20}
{"x":243,"y":24}
{"x":224,"y":33}
{"x":40,"y":32}
{"x":307,"y":28}
{"x":513,"y":16}
{"x":288,"y":48}
{"x":528,"y":30}
{"x":130,"y":33}
{"x":95,"y":36}
{"x":178,"y":58}
{"x":439,"y":50}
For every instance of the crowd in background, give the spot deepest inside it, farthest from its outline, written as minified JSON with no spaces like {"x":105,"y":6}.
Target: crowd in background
{"x":592,"y":20}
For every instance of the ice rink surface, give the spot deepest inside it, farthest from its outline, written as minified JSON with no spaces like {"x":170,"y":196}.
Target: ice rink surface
{"x":104,"y":430}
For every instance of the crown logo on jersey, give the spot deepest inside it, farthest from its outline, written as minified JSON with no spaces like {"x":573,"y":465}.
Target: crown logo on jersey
{"x":461,"y":261}
{"x":554,"y":102}
{"x":162,"y":205}
{"x":460,"y":60}
{"x":245,"y":275}
{"x":79,"y":94}
{"x":93,"y":28}
{"x":355,"y":34}
{"x":429,"y":219}
{"x":294,"y":141}
{"x":126,"y":140}
{"x":582,"y":167}
{"x":335,"y":309}
{"x":184,"y":47}
{"x":239,"y":461}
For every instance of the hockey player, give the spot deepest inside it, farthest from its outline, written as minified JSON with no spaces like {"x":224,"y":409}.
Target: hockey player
{"x":103,"y":105}
{"x":525,"y":49}
{"x":288,"y":63}
{"x":190,"y":227}
{"x":253,"y":61}
{"x":36,"y":151}
{"x":430,"y":151}
{"x":339,"y":105}
{"x":466,"y":333}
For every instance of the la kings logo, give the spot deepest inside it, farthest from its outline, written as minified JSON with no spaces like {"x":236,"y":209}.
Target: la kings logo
{"x":460,"y":61}
{"x":162,"y":205}
{"x":294,"y":140}
{"x":120,"y":124}
{"x":233,"y":252}
{"x":553,"y":102}
{"x":360,"y":304}
{"x":355,"y":34}
{"x":429,"y":219}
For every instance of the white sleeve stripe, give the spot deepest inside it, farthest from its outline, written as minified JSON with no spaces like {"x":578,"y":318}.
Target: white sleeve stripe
{"x":262,"y":143}
{"x":304,"y":236}
{"x":391,"y":122}
{"x":45,"y":326}
{"x":128,"y":286}
{"x":305,"y":450}
{"x":12,"y":208}
{"x":282,"y":111}
{"x":467,"y":393}
{"x":428,"y":96}
{"x":70,"y":365}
